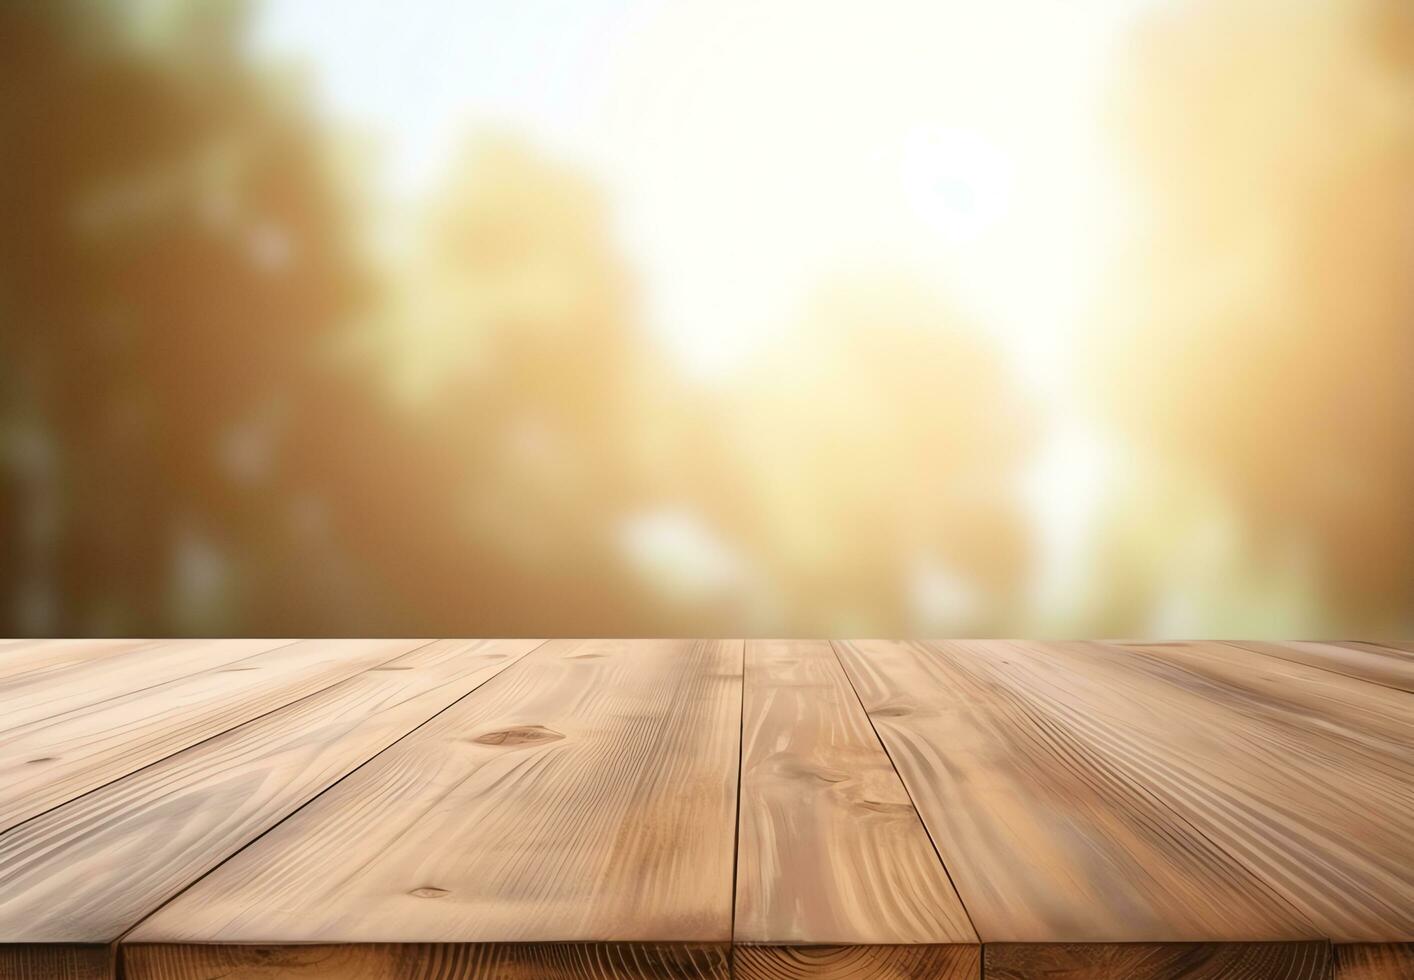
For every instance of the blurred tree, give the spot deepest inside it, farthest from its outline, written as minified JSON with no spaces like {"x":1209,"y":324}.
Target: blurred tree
{"x":173,"y":260}
{"x":883,"y":449}
{"x":195,"y":436}
{"x":1267,"y":335}
{"x":517,"y":359}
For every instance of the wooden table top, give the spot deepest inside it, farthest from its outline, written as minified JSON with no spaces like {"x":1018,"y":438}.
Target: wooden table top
{"x":764,"y":810}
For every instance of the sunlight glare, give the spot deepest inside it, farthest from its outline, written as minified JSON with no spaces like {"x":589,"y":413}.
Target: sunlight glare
{"x":752,"y":151}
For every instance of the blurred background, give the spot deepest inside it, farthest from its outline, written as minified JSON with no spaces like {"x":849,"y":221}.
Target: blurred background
{"x":704,"y":316}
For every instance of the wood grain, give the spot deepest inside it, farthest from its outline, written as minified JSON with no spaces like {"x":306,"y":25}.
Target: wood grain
{"x":87,"y":871}
{"x":1373,"y":721}
{"x":1046,"y":837}
{"x":587,"y":793}
{"x":831,"y":849}
{"x":67,"y":676}
{"x":1327,"y":822}
{"x":35,"y":657}
{"x":28,"y":961}
{"x":429,"y":961}
{"x":1376,"y":663}
{"x":51,"y":761}
{"x":1374,"y":961}
{"x":1157,"y":961}
{"x":912,"y":962}
{"x":495,"y":809}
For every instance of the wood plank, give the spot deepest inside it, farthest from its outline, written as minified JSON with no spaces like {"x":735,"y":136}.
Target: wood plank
{"x":586,"y":794}
{"x":87,"y":871}
{"x":25,"y":656}
{"x":910,"y":962}
{"x":1369,"y":720}
{"x":429,"y":961}
{"x":1374,"y":961}
{"x":1327,"y":822}
{"x":49,"y":762}
{"x":1378,"y":664}
{"x":85,"y":680}
{"x":1158,"y":961}
{"x":1047,"y":839}
{"x":831,"y":849}
{"x":25,"y":961}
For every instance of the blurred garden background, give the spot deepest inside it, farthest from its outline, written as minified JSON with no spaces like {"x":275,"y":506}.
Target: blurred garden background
{"x":770,"y":317}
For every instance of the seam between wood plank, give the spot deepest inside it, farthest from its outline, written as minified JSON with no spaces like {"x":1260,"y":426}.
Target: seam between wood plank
{"x":834,"y":652}
{"x":736,"y":829}
{"x":226,"y":665}
{"x":118,"y":942}
{"x":1128,"y":661}
{"x":1035,"y":704}
{"x":214,"y":735}
{"x":1237,"y":645}
{"x":1157,"y":796}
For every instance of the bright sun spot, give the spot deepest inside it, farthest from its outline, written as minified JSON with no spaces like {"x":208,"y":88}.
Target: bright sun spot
{"x":958,"y":183}
{"x":751,"y":151}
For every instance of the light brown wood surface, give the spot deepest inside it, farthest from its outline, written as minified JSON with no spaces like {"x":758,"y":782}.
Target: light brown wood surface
{"x":778,"y":810}
{"x":1326,"y":822}
{"x":52,"y":760}
{"x":1379,"y":663}
{"x":86,"y":673}
{"x":98,"y":864}
{"x":831,"y":849}
{"x":1046,"y":837}
{"x":35,"y":657}
{"x":1371,"y":720}
{"x":586,"y":793}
